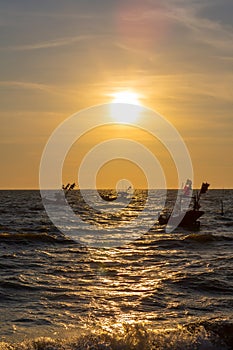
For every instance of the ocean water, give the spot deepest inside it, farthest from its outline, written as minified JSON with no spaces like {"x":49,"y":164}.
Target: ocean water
{"x":160,"y":291}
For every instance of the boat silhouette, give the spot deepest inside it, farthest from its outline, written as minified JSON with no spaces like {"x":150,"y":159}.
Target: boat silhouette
{"x":189,"y":218}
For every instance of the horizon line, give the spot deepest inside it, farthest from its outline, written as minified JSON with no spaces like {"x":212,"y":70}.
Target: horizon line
{"x":109,"y":188}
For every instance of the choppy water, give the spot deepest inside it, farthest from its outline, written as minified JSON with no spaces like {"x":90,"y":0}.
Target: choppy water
{"x":162,"y":291}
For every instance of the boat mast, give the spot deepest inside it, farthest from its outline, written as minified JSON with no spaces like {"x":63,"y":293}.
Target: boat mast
{"x":204,"y":188}
{"x":222,"y":211}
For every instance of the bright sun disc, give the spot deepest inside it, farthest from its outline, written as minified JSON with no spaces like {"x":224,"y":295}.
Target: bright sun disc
{"x":121,"y":109}
{"x":126,"y":97}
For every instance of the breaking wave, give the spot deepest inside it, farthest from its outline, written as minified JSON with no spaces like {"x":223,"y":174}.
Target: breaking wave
{"x":202,"y":336}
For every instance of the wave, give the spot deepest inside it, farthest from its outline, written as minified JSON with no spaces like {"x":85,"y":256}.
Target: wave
{"x":206,"y":237}
{"x":33,"y":237}
{"x":200,"y":336}
{"x":205,"y":283}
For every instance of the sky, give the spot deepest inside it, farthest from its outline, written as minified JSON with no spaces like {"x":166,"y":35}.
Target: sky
{"x":59,"y":57}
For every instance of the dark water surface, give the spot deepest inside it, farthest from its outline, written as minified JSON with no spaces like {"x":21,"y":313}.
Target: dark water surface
{"x":162,"y":291}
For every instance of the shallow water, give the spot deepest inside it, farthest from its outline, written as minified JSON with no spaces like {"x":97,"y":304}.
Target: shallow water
{"x":176,"y":288}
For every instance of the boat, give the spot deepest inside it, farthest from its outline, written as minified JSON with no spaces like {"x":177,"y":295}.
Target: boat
{"x":222,"y":214}
{"x":112,"y":195}
{"x":108,"y":196}
{"x":59,"y":196}
{"x":189,"y":218}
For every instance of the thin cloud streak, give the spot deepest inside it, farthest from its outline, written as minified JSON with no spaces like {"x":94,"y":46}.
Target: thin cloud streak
{"x":218,"y":86}
{"x":54,"y":15}
{"x":188,"y":14}
{"x":48,"y":44}
{"x":179,"y":87}
{"x":27,"y":85}
{"x":68,"y":91}
{"x":205,"y":30}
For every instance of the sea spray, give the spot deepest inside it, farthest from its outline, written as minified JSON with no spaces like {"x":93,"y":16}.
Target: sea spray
{"x":129,"y":337}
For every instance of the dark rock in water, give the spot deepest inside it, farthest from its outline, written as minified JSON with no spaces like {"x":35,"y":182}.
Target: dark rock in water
{"x":220,"y":332}
{"x":224,"y":330}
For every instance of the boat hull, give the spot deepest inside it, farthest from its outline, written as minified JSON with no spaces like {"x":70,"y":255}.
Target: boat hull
{"x":189,"y":219}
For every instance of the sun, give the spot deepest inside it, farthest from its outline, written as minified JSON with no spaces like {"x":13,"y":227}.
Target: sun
{"x":125,"y":107}
{"x":129,"y":97}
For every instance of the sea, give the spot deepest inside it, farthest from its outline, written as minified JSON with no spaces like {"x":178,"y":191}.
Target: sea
{"x":161,"y":290}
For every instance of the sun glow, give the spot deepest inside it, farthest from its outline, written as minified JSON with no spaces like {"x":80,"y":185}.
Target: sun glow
{"x":125,"y":107}
{"x":126,"y":97}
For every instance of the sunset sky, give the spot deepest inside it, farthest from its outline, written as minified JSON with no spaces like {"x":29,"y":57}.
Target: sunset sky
{"x":58,"y":57}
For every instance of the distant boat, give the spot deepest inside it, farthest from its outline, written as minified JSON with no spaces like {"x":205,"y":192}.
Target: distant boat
{"x":188,"y":219}
{"x":222,"y":214}
{"x":59,"y":197}
{"x":108,"y":196}
{"x":112,"y":195}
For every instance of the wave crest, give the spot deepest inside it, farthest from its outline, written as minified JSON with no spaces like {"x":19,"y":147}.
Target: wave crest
{"x":202,"y":336}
